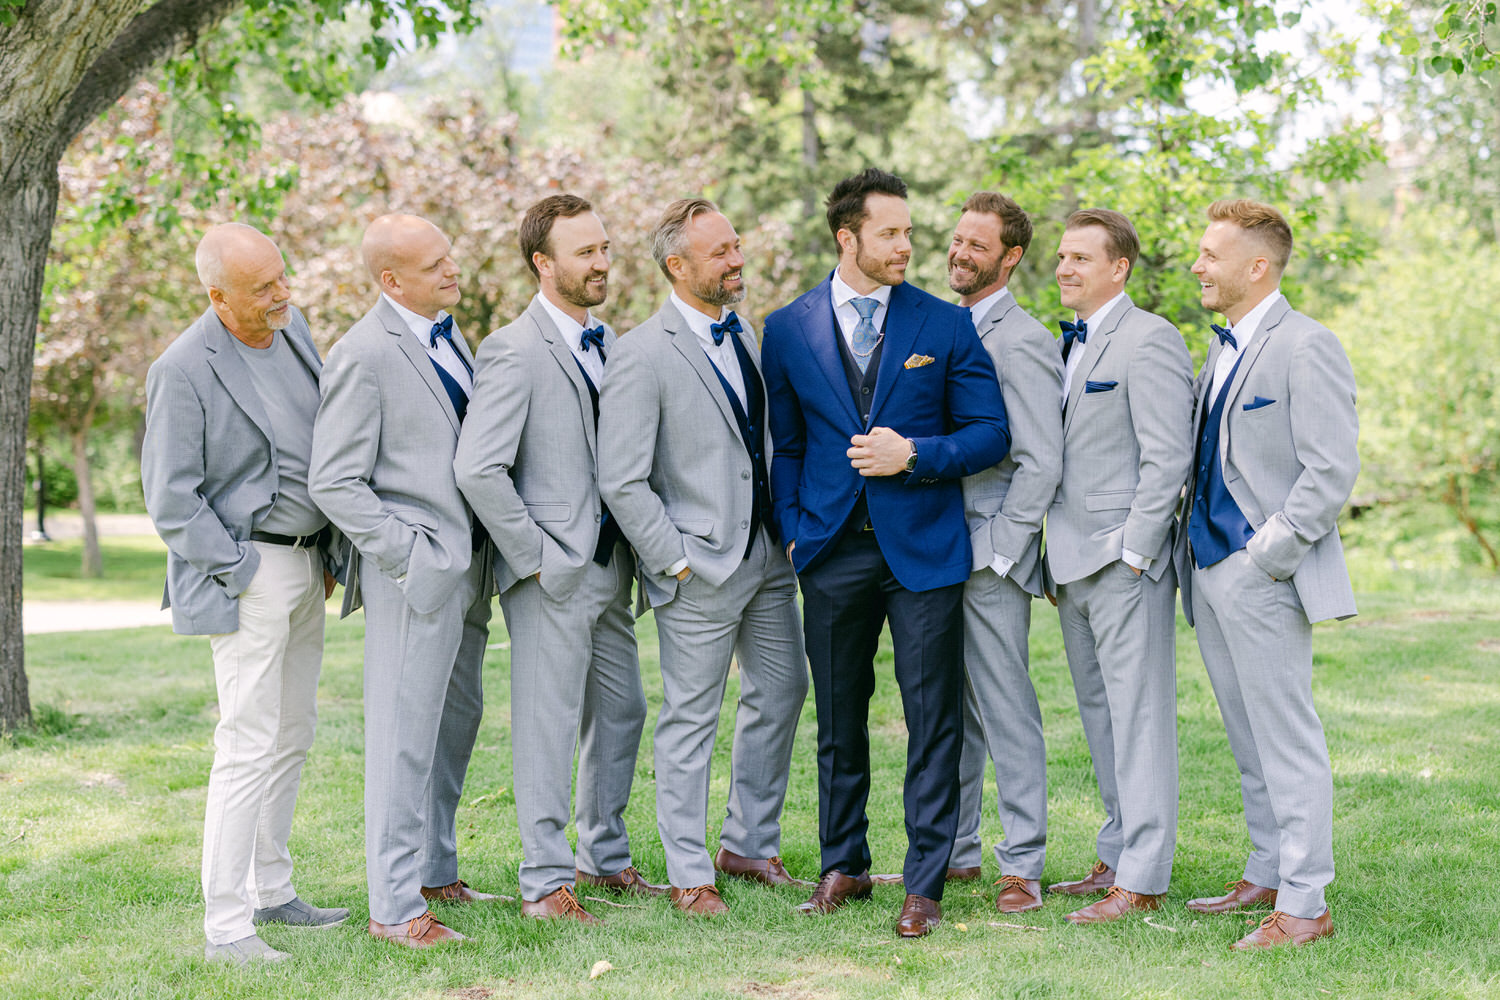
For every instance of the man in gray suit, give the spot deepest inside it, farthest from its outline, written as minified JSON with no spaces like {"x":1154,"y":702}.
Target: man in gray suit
{"x":526,"y":461}
{"x":684,"y":453}
{"x":394,"y":394}
{"x":229,"y":414}
{"x":1004,"y":506}
{"x":1127,"y":402}
{"x":1261,"y":559}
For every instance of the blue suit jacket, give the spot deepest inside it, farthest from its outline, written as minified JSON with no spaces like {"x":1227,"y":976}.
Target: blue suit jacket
{"x":936,"y":385}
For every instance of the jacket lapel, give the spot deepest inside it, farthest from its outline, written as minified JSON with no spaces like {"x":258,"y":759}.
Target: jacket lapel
{"x":686,"y":343}
{"x":563,"y":355}
{"x":1098,"y":343}
{"x":417,"y":355}
{"x":230,"y":369}
{"x":821,"y":333}
{"x":903,"y":321}
{"x":1268,"y":325}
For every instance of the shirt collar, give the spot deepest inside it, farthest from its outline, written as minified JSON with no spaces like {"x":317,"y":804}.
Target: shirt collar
{"x":1249,"y":324}
{"x":842,"y":293}
{"x":697,"y":321}
{"x":981,"y":310}
{"x":420,"y":326}
{"x":1097,"y":319}
{"x":569,"y":327}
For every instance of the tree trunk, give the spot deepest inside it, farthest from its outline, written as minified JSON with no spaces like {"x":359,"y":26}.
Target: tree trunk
{"x":27,"y":207}
{"x":93,"y":561}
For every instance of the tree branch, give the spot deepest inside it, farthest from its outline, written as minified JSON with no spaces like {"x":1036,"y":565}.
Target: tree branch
{"x":166,"y":29}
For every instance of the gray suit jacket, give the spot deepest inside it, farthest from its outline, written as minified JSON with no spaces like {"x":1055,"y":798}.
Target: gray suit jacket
{"x":672,"y":465}
{"x":1288,"y":437}
{"x":526,"y":455}
{"x":208,"y":469}
{"x":1127,"y":447}
{"x":1005,"y":504}
{"x":382,"y":464}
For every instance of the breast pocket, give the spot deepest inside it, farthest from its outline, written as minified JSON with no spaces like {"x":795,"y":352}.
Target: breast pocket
{"x":541,"y":513}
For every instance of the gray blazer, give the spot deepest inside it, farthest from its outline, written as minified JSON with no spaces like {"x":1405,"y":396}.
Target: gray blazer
{"x":522,"y":462}
{"x":1288,"y":436}
{"x":208,"y":469}
{"x":1127,"y":447}
{"x":382,"y":463}
{"x":672,"y":465}
{"x":1005,"y":504}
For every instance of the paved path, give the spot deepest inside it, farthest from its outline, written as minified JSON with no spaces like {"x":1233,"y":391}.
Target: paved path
{"x":89,"y":616}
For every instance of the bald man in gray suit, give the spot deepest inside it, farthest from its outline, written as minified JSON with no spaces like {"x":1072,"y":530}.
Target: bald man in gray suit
{"x":1261,"y":559}
{"x":526,"y":462}
{"x":1004,"y":506}
{"x":395,"y":391}
{"x":684,"y":453}
{"x":1126,"y":450}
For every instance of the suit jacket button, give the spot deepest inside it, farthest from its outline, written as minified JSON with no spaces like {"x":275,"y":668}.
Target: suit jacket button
{"x":744,"y":524}
{"x":744,"y":474}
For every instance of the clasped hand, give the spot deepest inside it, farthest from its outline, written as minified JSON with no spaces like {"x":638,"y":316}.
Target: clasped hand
{"x":882,"y":452}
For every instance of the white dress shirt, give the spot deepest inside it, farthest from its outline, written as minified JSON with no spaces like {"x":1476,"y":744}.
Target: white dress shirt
{"x":1244,"y":333}
{"x":445,"y":354}
{"x":848,"y":316}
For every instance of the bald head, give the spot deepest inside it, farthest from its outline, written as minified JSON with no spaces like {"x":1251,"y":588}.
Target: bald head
{"x":245,"y":277}
{"x":412,"y":262}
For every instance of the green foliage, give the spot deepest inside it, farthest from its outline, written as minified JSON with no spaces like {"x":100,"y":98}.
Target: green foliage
{"x":1465,"y":39}
{"x":1429,"y":381}
{"x":9,"y":10}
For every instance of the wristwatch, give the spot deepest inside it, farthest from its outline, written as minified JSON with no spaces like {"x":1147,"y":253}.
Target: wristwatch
{"x":911,"y":460}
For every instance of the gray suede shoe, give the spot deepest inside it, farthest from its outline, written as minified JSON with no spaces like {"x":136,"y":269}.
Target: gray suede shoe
{"x":296,"y":913}
{"x":244,"y":951}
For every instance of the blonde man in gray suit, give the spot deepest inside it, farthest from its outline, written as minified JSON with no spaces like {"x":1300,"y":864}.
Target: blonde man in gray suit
{"x":395,"y":391}
{"x":1004,"y":506}
{"x":684,"y":453}
{"x":229,"y":415}
{"x":526,"y":461}
{"x":1261,"y":558}
{"x":1127,"y":403}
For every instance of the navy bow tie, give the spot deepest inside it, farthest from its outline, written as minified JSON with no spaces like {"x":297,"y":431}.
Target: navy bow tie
{"x":1225,"y":337}
{"x":441,"y":330}
{"x":731,"y":324}
{"x":594,"y":336}
{"x":1072,"y":332}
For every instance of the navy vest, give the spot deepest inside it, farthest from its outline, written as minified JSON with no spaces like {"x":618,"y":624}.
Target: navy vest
{"x":1216,"y":527}
{"x":753,"y":432}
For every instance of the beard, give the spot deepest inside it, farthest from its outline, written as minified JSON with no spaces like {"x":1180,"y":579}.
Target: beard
{"x":575,"y":289}
{"x":982,"y":278}
{"x":713,"y":291}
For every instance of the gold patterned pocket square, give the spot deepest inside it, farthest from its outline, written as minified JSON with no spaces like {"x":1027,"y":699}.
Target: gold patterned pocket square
{"x":918,"y":360}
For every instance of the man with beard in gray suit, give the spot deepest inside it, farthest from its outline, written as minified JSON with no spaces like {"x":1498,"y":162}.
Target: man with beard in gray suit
{"x":1127,"y":445}
{"x":1004,"y":506}
{"x":229,"y":416}
{"x":1261,"y":559}
{"x":526,"y":463}
{"x":395,"y":391}
{"x":684,"y":456}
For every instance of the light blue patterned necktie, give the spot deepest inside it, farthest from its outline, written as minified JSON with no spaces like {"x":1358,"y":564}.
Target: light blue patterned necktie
{"x":865,"y":335}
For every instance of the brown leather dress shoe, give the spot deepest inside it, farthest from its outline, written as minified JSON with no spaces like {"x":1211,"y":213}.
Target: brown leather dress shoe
{"x":1280,"y":928}
{"x":834,"y":890}
{"x":699,"y":901}
{"x":1242,"y":895}
{"x":559,"y":904}
{"x":420,"y":932}
{"x":919,"y":917}
{"x":769,"y":871}
{"x":1017,"y":894}
{"x":629,"y":880}
{"x":458,"y":892}
{"x":1115,"y":904}
{"x":1099,"y":879}
{"x":963,"y":874}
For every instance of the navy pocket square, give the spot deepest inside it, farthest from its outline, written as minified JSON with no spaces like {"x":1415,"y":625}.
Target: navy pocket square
{"x":1099,"y":386}
{"x":1257,"y":403}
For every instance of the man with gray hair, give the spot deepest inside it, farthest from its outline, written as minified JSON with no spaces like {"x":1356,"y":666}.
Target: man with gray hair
{"x":250,"y":561}
{"x":684,"y":452}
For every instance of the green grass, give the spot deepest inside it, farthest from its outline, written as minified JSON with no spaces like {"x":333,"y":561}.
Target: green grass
{"x":101,"y":812}
{"x":134,"y":568}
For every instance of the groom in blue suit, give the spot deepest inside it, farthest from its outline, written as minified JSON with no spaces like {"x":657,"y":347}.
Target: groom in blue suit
{"x":881,"y":399}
